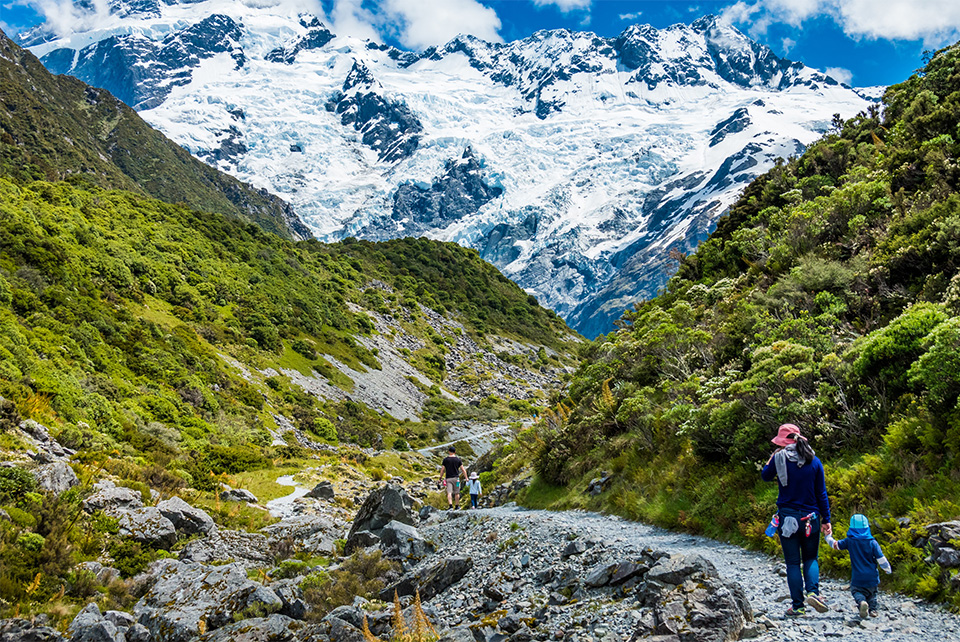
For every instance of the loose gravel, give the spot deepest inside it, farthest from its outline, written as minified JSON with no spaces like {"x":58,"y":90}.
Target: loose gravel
{"x":509,"y":545}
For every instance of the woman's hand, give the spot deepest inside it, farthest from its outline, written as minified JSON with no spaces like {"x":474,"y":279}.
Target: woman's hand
{"x":826,"y":529}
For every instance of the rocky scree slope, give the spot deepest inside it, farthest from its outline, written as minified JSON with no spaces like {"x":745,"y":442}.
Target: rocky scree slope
{"x":573,"y":162}
{"x":55,"y":127}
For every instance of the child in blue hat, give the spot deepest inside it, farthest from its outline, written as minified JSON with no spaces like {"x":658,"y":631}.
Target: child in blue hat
{"x":865,"y":555}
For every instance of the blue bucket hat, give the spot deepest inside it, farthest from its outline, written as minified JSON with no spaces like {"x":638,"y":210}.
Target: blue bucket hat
{"x":859,"y":527}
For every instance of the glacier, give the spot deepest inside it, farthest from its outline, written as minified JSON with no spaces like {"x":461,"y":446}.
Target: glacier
{"x":573,"y":162}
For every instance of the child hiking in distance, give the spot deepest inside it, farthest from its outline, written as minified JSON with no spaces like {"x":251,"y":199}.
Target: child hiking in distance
{"x":451,"y":468}
{"x":865,"y":555}
{"x":474,"y":485}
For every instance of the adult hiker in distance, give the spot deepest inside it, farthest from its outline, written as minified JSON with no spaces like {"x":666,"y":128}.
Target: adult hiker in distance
{"x":803,"y":509}
{"x":451,"y":469}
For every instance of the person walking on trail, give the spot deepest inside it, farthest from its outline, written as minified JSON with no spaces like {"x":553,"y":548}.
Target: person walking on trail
{"x":803,"y":509}
{"x":865,"y":556}
{"x":475,"y":490}
{"x":451,"y":469}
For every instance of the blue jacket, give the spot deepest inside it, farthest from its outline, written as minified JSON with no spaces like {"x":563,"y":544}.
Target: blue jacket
{"x":806,"y":489}
{"x":864,"y":553}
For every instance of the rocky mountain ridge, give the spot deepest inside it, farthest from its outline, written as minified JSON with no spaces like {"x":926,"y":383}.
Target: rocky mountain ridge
{"x":593,"y":157}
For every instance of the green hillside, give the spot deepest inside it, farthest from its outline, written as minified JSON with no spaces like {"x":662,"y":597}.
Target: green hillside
{"x":830,"y":298}
{"x":56,"y":127}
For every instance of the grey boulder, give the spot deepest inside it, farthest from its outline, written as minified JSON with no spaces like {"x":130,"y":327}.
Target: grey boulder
{"x":185,"y":518}
{"x":399,"y":540}
{"x":384,"y":505}
{"x":323,"y":490}
{"x":56,"y":477}
{"x":20,"y":630}
{"x":112,"y":500}
{"x":430,"y":581}
{"x":275,"y":628}
{"x":312,"y":533}
{"x":90,"y":626}
{"x":148,"y":526}
{"x":252,"y":550}
{"x":184,"y":595}
{"x":238,"y":495}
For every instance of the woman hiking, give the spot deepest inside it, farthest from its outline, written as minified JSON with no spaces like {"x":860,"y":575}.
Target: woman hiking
{"x":804,"y":512}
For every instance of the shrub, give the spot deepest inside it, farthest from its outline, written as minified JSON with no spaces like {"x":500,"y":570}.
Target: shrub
{"x":360,"y":575}
{"x":15,"y":483}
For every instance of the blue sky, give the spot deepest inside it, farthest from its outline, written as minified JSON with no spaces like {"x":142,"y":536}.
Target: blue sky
{"x":863,"y":42}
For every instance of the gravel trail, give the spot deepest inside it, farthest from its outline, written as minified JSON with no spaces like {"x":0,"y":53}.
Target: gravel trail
{"x":537,"y":538}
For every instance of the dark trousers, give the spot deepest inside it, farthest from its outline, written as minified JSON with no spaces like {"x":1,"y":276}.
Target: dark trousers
{"x":800,"y":553}
{"x":474,"y":499}
{"x":866,"y":594}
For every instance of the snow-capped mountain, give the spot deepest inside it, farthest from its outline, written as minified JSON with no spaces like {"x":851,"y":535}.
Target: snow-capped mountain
{"x":573,"y":162}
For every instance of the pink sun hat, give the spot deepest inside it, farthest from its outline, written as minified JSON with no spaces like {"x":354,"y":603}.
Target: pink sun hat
{"x":783,"y":435}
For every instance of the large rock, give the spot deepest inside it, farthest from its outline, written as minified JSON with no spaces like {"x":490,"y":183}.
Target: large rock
{"x":312,"y":533}
{"x":252,"y":550}
{"x":399,"y":540}
{"x":275,"y":628}
{"x":238,"y":495}
{"x":384,"y":505}
{"x":186,"y":518}
{"x":940,"y":537}
{"x":430,"y":581}
{"x":112,"y":500}
{"x":184,"y":595}
{"x":148,"y":526}
{"x":104,"y":574}
{"x":687,"y":598}
{"x":292,"y":597}
{"x":90,"y":626}
{"x":57,"y":477}
{"x":19,"y":630}
{"x":323,"y":490}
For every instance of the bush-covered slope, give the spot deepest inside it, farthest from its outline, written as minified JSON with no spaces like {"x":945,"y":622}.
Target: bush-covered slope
{"x":126,"y":320}
{"x":830,"y":298}
{"x":54,"y":127}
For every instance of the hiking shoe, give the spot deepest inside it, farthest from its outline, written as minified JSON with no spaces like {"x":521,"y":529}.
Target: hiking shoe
{"x":816,"y":602}
{"x":874,"y":614}
{"x":795,"y":612}
{"x":864,"y":610}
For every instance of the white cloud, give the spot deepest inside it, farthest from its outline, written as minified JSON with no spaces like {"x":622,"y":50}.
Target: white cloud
{"x":788,"y":44}
{"x":936,"y":22}
{"x":839,"y":73}
{"x":421,"y":23}
{"x":630,"y":16}
{"x":349,"y":18}
{"x":566,"y":6}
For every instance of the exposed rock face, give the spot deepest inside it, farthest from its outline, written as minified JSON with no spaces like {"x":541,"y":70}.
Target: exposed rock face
{"x":186,"y":594}
{"x":56,"y":477}
{"x":148,"y":526}
{"x":112,"y":500}
{"x":382,"y":506}
{"x":317,"y":36}
{"x":251,"y":550}
{"x":112,"y":62}
{"x":186,"y":518}
{"x":430,"y":581}
{"x":387,"y":126}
